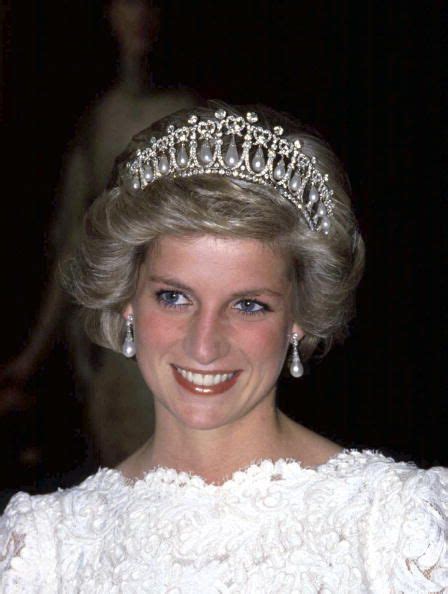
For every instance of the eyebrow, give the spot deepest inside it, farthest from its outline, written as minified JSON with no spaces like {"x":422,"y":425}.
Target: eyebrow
{"x":179,"y":285}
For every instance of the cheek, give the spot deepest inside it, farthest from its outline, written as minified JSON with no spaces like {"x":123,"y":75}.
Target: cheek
{"x":153,"y":330}
{"x":265,"y":343}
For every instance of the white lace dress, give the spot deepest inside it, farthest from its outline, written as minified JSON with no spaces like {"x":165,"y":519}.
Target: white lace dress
{"x":360,"y":523}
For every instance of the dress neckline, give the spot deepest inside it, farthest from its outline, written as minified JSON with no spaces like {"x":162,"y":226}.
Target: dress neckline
{"x":259,"y":470}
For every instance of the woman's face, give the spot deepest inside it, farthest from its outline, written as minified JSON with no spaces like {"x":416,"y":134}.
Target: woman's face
{"x":212,"y":322}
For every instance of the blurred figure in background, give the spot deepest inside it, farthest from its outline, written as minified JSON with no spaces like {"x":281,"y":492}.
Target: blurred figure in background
{"x":118,"y":404}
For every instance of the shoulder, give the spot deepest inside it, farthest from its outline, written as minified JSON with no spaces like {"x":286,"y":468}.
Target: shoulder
{"x":405,"y":527}
{"x":32,"y":527}
{"x":26,"y":532}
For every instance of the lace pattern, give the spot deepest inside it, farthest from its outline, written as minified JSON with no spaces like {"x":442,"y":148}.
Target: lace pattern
{"x":358,"y":524}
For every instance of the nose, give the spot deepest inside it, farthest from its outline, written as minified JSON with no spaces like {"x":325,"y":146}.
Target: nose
{"x":205,"y":340}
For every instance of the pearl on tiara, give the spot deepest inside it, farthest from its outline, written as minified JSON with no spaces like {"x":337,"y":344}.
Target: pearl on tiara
{"x":237,"y":147}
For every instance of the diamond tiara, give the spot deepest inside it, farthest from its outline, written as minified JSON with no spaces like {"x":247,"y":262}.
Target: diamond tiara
{"x":262,"y":157}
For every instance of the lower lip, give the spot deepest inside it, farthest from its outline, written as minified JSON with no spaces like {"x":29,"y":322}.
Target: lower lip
{"x":205,"y":390}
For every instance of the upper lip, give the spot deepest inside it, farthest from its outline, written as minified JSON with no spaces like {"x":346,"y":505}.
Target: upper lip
{"x":206,"y":371}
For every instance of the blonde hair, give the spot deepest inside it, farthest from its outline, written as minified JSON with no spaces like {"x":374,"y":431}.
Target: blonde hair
{"x":120,"y":227}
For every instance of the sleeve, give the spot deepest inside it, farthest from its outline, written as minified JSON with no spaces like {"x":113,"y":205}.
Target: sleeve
{"x":407,"y":533}
{"x":25,"y":547}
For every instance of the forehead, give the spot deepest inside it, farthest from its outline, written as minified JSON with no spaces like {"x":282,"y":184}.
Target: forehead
{"x":219,"y":258}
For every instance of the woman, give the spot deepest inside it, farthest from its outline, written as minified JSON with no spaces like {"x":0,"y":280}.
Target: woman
{"x":222,"y":242}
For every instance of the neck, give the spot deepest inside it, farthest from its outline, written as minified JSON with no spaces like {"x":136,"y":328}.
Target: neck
{"x":200,"y":452}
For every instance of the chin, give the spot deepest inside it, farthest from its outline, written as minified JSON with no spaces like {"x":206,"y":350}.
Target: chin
{"x":201,"y":419}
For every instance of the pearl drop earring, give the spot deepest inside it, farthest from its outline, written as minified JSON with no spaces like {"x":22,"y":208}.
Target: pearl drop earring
{"x":128,"y":348}
{"x":295,"y":366}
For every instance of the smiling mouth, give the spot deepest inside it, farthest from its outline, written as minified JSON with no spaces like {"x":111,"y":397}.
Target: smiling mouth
{"x":205,"y":383}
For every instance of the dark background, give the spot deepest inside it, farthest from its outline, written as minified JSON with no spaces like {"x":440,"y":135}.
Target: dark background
{"x":368,"y":76}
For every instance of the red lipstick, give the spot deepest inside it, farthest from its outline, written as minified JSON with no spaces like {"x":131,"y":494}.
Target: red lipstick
{"x":205,"y":390}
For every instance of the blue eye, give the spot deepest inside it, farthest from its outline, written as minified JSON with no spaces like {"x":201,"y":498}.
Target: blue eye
{"x":251,"y":307}
{"x":171,"y":298}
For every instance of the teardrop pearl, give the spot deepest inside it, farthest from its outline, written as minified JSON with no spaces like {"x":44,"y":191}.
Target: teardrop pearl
{"x":258,"y":162}
{"x":231,"y":158}
{"x":296,"y":368}
{"x":182,"y":157}
{"x":279,"y":171}
{"x":164,"y":165}
{"x":325,"y":224}
{"x":128,"y":349}
{"x":321,"y":211}
{"x":313,"y":196}
{"x":294,"y":182}
{"x":132,"y":183}
{"x":205,"y":153}
{"x":148,"y":174}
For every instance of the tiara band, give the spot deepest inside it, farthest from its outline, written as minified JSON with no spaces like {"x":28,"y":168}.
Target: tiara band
{"x":262,"y":157}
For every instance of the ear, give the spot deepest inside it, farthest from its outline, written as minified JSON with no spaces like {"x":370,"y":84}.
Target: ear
{"x":298,"y":330}
{"x":127,"y":310}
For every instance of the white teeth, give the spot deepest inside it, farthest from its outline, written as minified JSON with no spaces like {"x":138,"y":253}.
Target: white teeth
{"x":208,"y":380}
{"x":204,"y":379}
{"x":198,"y":379}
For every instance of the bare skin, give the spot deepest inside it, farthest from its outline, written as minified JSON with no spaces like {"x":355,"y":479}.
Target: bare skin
{"x":298,"y":443}
{"x":216,"y":307}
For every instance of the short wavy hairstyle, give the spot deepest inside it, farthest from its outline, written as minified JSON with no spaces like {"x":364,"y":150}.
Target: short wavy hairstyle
{"x":120,"y":228}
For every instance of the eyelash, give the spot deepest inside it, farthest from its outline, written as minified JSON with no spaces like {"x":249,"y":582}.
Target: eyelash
{"x":264,"y":307}
{"x":160,"y":296}
{"x":163,"y":292}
